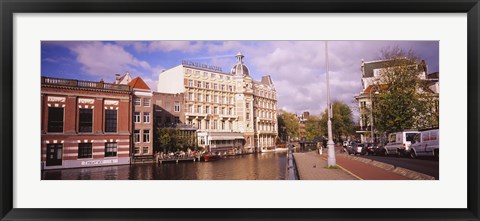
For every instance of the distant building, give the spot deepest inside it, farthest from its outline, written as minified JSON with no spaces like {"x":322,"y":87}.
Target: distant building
{"x":84,"y":123}
{"x":302,"y":119}
{"x":232,"y":111}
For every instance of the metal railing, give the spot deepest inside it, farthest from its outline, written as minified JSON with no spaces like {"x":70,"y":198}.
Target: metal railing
{"x":84,"y":84}
{"x":291,"y":173}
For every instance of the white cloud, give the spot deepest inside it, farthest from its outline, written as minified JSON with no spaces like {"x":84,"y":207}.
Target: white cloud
{"x":106,"y":59}
{"x":164,"y":46}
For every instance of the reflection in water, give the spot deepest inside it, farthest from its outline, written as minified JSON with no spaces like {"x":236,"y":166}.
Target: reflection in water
{"x":265,"y":166}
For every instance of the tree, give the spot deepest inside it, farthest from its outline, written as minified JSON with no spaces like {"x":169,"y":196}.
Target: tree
{"x":171,"y":139}
{"x":313,"y":130}
{"x":403,"y":100}
{"x":342,"y":120}
{"x":288,"y":125}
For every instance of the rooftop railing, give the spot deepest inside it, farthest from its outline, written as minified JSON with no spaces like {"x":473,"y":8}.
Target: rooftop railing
{"x":84,"y":84}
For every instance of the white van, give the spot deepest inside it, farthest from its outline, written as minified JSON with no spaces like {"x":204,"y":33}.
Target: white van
{"x":399,"y":143}
{"x":425,"y":144}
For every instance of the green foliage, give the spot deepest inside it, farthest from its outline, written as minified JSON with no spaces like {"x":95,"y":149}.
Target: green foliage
{"x":172,"y":139}
{"x":288,"y":125}
{"x":403,"y":101}
{"x":313,"y":130}
{"x":342,"y":120}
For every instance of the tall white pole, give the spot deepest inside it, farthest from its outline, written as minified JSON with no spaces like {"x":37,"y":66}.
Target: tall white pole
{"x":330,"y":145}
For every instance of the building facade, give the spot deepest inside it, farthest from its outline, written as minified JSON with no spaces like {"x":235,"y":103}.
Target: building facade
{"x":84,"y":123}
{"x":142,"y":139}
{"x":169,"y":113}
{"x":233,"y":113}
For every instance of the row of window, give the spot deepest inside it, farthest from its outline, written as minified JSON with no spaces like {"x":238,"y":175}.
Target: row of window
{"x":267,"y":105}
{"x":199,"y":110}
{"x":136,"y":150}
{"x":137,"y":136}
{"x":137,"y":101}
{"x":85,"y":150}
{"x":137,"y":117}
{"x":265,"y":114}
{"x":56,"y":118}
{"x":207,"y":85}
{"x":206,"y":98}
{"x":267,"y":127}
{"x":265,"y":94}
{"x":206,"y":74}
{"x":212,"y":125}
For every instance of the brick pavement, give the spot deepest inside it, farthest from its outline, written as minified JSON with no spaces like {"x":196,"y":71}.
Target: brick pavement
{"x":367,"y":171}
{"x":311,"y":166}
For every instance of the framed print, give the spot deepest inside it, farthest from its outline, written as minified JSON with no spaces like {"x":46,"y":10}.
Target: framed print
{"x":239,"y":110}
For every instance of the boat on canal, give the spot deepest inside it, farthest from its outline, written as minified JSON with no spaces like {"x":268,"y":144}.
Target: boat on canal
{"x":210,"y":157}
{"x":266,"y":150}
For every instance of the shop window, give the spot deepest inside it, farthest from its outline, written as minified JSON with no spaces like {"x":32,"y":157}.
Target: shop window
{"x":110,"y":149}
{"x":85,"y":150}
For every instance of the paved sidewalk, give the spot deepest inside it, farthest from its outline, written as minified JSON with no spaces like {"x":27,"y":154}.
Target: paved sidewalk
{"x":311,"y":166}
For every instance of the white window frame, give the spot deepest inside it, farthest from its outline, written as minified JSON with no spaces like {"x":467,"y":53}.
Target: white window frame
{"x":146,"y":102}
{"x":139,"y":103}
{"x":146,"y":117}
{"x":146,"y":135}
{"x":176,"y":107}
{"x":137,"y":118}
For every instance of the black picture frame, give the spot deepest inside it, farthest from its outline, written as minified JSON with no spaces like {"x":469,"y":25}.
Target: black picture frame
{"x":9,"y":7}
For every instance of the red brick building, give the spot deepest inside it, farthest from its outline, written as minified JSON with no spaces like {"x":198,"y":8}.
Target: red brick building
{"x":142,"y":119}
{"x":84,"y":123}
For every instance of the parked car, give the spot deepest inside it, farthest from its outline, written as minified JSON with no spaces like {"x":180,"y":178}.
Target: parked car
{"x":345,"y":146}
{"x":425,"y":144}
{"x":356,"y":148}
{"x":380,"y":150}
{"x":399,"y":143}
{"x":370,"y":148}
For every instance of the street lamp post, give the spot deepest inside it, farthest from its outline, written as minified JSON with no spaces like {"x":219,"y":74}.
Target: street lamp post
{"x":371,"y":112}
{"x":330,"y":145}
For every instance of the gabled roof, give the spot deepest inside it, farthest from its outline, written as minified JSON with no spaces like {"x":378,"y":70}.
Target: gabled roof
{"x":369,"y":66}
{"x":138,"y":83}
{"x":125,"y":79}
{"x":370,"y":88}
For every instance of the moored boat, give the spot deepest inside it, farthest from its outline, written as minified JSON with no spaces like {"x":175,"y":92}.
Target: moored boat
{"x":210,"y":157}
{"x":281,"y":149}
{"x":265,"y":150}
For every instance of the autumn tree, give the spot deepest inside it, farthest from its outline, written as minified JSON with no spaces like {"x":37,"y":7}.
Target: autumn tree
{"x":403,"y":99}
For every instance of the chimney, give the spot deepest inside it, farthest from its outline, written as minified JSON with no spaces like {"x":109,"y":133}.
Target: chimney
{"x":306,"y":114}
{"x":117,"y":78}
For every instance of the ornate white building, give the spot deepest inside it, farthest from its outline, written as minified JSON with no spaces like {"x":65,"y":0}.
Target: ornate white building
{"x":233,"y":112}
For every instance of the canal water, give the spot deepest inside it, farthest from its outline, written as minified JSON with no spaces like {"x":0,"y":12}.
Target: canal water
{"x":262,"y":166}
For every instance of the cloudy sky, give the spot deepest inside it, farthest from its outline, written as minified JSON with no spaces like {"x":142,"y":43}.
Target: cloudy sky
{"x":297,"y":68}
